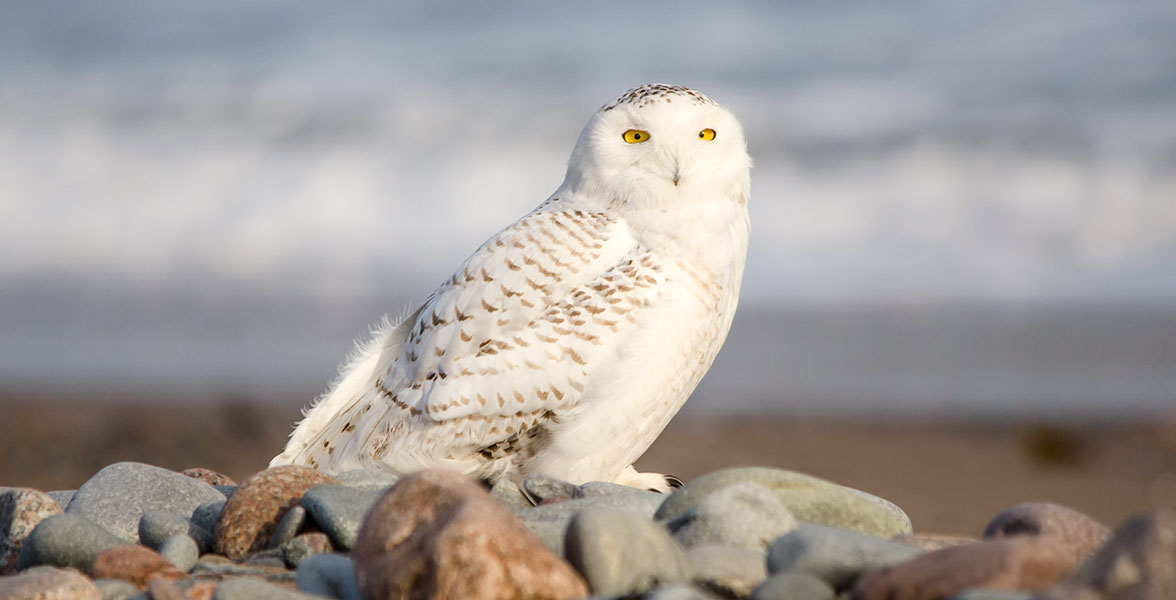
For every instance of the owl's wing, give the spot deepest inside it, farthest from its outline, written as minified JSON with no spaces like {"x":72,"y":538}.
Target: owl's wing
{"x":506,"y":343}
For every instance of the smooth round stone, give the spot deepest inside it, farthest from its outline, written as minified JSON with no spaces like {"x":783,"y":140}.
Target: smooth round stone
{"x":620,"y":553}
{"x":116,"y":589}
{"x":809,"y":499}
{"x":118,"y":495}
{"x":330,"y":575}
{"x":253,"y":512}
{"x":506,"y":492}
{"x":62,"y":497}
{"x":1077,"y":530}
{"x":540,"y":488}
{"x":550,"y":521}
{"x":248,"y":588}
{"x":156,"y":527}
{"x":678,"y":592}
{"x":743,"y":515}
{"x":48,"y":584}
{"x":792,"y":586}
{"x":367,"y":479}
{"x":835,"y":556}
{"x":66,"y":540}
{"x":208,"y":514}
{"x":339,"y":511}
{"x":729,"y":572}
{"x":181,"y":551}
{"x":21,"y":509}
{"x":288,"y":527}
{"x":593,"y":489}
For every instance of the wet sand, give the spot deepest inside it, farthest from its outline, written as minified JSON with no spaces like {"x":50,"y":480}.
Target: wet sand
{"x":950,"y":476}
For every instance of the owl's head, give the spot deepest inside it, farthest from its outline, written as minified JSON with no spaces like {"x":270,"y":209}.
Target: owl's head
{"x":661,"y":143}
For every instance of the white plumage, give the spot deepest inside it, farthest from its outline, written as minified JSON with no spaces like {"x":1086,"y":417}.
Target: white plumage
{"x":566,"y":342}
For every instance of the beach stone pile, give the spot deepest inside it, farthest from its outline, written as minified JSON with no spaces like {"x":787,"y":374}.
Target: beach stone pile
{"x":138,"y":531}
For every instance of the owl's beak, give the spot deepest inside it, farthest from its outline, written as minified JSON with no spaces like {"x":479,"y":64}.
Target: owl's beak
{"x":676,"y":172}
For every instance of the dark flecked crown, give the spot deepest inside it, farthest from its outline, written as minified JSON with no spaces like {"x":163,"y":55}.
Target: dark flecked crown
{"x":649,"y":93}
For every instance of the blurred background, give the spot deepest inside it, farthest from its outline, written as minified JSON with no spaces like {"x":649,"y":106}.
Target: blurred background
{"x":964,"y":224}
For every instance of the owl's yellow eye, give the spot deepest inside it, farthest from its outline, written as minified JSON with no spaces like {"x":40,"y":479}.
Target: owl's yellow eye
{"x":636,"y":136}
{"x":706,"y":134}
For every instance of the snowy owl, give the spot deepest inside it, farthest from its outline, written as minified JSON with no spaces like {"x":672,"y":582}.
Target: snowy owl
{"x":566,"y":343}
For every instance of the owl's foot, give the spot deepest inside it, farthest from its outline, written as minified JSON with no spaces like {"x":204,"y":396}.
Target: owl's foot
{"x":654,"y":482}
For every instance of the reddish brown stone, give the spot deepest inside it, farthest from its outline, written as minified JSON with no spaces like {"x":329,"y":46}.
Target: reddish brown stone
{"x":49,"y":584}
{"x":1027,"y":563}
{"x":20,"y":511}
{"x":208,"y":476}
{"x":932,"y":541}
{"x":134,"y":563}
{"x":1139,"y":562}
{"x":437,"y":534}
{"x":203,"y":590}
{"x":255,"y":509}
{"x":1077,"y":531}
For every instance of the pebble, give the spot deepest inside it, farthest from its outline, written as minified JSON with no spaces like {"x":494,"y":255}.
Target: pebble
{"x":545,"y":489}
{"x":550,"y":521}
{"x":623,"y":554}
{"x":116,"y":589}
{"x":181,"y":551}
{"x":21,"y":509}
{"x":134,"y":563}
{"x":329,"y":575}
{"x":367,"y":479}
{"x":729,"y":572}
{"x":66,"y":540}
{"x":62,"y":497}
{"x":593,"y":489}
{"x":207,"y":515}
{"x":252,"y":514}
{"x":339,"y":511}
{"x":156,"y":527}
{"x":208,"y":476}
{"x":1139,"y":561}
{"x":247,"y":588}
{"x":1077,"y":531}
{"x":49,"y":584}
{"x":509,"y":494}
{"x":303,"y":546}
{"x":793,"y":586}
{"x":835,"y":556}
{"x":809,"y":499}
{"x":1018,"y":564}
{"x":437,"y":534}
{"x":118,"y":495}
{"x":288,"y":527}
{"x":743,"y":515}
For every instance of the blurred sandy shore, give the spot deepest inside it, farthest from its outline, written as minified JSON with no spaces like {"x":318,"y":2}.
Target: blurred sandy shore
{"x":950,"y":476}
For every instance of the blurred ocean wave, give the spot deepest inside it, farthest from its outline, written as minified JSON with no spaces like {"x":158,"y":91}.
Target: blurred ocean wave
{"x":246,"y":185}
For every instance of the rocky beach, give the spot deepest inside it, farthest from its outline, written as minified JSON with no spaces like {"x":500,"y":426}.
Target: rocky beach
{"x":123,"y":500}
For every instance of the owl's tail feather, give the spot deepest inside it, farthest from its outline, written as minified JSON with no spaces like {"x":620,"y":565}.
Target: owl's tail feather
{"x":357,"y":377}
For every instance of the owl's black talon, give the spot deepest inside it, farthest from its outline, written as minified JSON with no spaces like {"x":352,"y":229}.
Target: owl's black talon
{"x":674,"y":481}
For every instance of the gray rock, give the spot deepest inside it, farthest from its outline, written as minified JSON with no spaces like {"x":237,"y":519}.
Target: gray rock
{"x":21,"y":509}
{"x":607,"y":488}
{"x":181,"y":551}
{"x":339,"y":511}
{"x":678,"y":592}
{"x":248,"y":588}
{"x":621,"y":553}
{"x":367,"y":479}
{"x":62,"y":497}
{"x":506,"y":492}
{"x":729,"y":572}
{"x":208,"y":514}
{"x":158,"y":526}
{"x":835,"y":556}
{"x":809,"y":499}
{"x":226,"y":490}
{"x":116,"y":589}
{"x":66,"y":540}
{"x":550,"y":521}
{"x":118,"y":495}
{"x":743,"y":515}
{"x":288,"y":527}
{"x":329,"y":575}
{"x":792,"y":586}
{"x":539,"y":487}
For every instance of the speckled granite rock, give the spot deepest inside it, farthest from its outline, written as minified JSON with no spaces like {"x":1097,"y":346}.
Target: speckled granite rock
{"x":21,"y":509}
{"x":250,"y":517}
